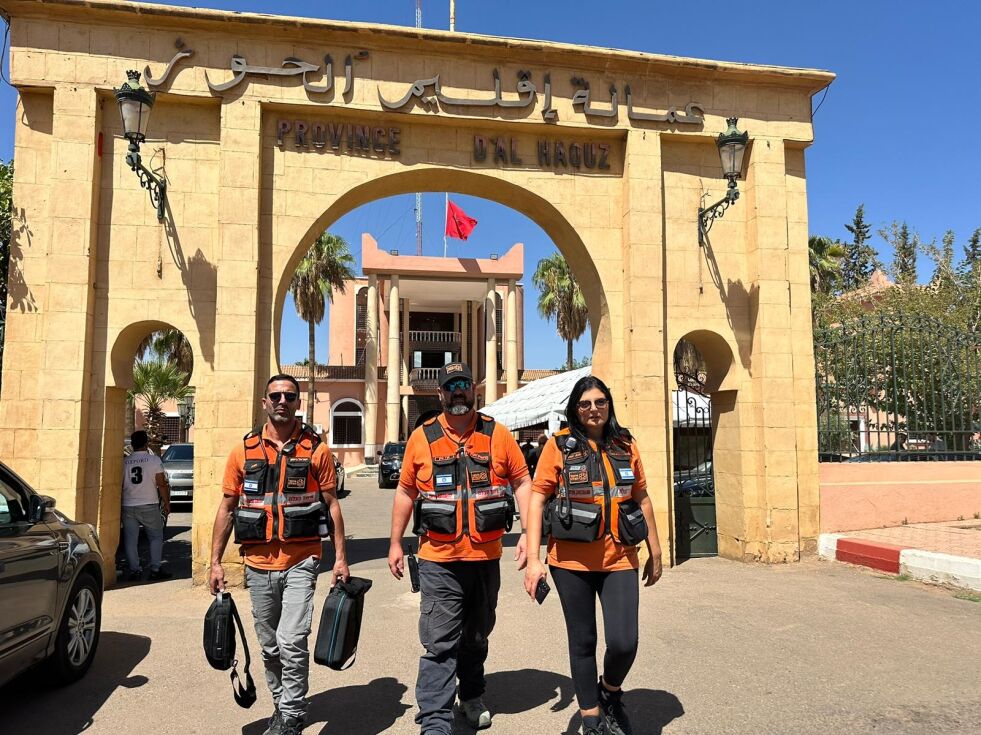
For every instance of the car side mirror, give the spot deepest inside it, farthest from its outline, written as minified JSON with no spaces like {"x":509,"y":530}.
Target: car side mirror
{"x":35,"y":508}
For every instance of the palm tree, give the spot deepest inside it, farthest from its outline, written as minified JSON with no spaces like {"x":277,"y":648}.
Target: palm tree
{"x":823,"y":256}
{"x":561,"y":298}
{"x":325,"y":267}
{"x":168,"y":345}
{"x":153,"y":383}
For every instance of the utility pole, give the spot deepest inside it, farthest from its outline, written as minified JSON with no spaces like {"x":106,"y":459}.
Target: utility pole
{"x":419,"y":193}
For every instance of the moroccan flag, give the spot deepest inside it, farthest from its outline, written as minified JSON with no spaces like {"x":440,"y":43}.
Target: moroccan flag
{"x":459,"y":224}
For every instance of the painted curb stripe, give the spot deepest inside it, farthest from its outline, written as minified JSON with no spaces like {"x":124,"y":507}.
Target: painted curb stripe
{"x":884,"y":557}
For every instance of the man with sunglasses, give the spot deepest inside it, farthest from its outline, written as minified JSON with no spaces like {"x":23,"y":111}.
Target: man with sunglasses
{"x":456,"y":474}
{"x":279,"y":487}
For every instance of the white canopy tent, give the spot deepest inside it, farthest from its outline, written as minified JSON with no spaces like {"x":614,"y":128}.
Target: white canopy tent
{"x":541,"y":401}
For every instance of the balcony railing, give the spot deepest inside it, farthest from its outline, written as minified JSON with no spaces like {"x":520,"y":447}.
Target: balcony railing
{"x":430,"y":337}
{"x":424,"y":378}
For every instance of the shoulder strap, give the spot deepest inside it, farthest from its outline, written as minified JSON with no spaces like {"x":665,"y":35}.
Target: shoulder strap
{"x":255,"y":434}
{"x":244,"y":696}
{"x":433,"y":431}
{"x":485,"y":425}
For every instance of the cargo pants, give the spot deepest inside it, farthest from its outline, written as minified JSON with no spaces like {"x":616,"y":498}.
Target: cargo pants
{"x":458,"y":612}
{"x":282,"y":606}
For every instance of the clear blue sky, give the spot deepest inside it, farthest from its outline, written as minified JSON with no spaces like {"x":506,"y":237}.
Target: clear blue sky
{"x":899,"y":129}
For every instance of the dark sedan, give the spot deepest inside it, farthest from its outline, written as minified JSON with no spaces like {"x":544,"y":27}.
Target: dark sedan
{"x":50,"y":586}
{"x":390,"y":464}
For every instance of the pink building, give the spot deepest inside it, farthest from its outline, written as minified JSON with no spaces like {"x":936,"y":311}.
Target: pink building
{"x":391,"y":331}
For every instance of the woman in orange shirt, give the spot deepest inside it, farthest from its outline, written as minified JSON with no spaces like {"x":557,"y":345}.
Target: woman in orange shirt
{"x":591,"y":485}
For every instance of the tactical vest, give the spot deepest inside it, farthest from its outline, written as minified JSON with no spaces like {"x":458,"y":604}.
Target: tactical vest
{"x":280,"y":497}
{"x":464,"y":494}
{"x":591,"y":502}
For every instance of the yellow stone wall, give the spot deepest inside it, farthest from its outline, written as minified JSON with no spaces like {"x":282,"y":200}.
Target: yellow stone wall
{"x":98,"y":272}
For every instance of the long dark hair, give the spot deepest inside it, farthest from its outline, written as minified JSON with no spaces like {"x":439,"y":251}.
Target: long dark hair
{"x":612,"y":431}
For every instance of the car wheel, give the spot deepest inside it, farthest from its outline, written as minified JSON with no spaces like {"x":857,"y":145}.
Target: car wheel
{"x":78,"y":634}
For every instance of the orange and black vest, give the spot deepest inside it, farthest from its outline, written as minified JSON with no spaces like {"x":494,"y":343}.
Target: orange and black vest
{"x":464,"y":495}
{"x":280,"y":497}
{"x":586,"y":480}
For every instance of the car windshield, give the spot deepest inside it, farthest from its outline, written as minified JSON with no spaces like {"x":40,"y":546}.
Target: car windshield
{"x":397,"y":450}
{"x":178,"y":452}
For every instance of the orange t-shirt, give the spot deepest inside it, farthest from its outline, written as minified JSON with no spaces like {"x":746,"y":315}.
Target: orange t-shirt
{"x":601,"y":555}
{"x":507,"y":462}
{"x":278,"y":555}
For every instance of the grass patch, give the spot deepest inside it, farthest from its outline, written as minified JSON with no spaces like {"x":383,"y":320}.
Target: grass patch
{"x":969,"y":596}
{"x":896,"y":577}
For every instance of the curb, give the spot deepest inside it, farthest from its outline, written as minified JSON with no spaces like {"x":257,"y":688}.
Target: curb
{"x":925,"y":566}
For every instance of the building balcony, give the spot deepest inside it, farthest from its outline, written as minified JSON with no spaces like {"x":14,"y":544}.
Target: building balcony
{"x":420,"y":338}
{"x":424,"y":378}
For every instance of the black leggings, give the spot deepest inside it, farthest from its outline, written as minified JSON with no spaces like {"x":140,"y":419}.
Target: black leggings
{"x":619,"y":596}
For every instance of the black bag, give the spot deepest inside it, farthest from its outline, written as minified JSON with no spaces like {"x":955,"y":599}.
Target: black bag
{"x":219,"y":646}
{"x":632,"y":526}
{"x":340,"y":624}
{"x":567,"y":520}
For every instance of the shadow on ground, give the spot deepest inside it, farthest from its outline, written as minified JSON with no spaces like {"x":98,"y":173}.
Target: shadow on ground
{"x":30,"y":704}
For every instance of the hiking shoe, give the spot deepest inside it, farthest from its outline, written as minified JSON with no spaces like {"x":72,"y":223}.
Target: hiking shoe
{"x":160,"y":574}
{"x":291,"y":726}
{"x":594,"y":726}
{"x":134,"y":576}
{"x":612,"y":705}
{"x":275,"y":725}
{"x":476,"y":713}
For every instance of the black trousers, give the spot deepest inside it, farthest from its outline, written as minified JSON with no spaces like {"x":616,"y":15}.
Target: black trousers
{"x":459,"y":609}
{"x":618,"y":594}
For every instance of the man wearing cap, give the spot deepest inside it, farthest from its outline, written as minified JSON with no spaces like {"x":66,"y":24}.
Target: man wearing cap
{"x":455,"y":483}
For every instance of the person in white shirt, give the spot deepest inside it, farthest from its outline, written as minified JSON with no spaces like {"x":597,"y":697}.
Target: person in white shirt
{"x":146,"y":502}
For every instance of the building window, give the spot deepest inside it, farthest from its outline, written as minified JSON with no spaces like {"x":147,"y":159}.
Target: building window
{"x":347,"y":424}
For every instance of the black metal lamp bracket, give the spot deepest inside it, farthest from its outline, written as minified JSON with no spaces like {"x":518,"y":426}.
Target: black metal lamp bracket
{"x":156,"y":186}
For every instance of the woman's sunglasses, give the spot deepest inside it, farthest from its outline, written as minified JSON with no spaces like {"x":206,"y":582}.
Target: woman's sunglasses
{"x":276,"y":396}
{"x":600,"y":403}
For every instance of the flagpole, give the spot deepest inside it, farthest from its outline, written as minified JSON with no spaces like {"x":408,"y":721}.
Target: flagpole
{"x":446,"y":217}
{"x":447,"y":202}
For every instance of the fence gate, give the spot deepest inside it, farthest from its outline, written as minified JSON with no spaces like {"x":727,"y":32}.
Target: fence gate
{"x":694,"y":482}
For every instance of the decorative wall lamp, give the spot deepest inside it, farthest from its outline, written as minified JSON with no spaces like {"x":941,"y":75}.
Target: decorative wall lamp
{"x":185,"y":410}
{"x":732,"y":146}
{"x":135,"y":104}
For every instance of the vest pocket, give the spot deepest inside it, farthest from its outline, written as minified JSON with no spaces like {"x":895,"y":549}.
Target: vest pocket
{"x":491,"y":514}
{"x":297,"y":471}
{"x":249,"y":524}
{"x":631,"y":526}
{"x":302,"y":521}
{"x":437,"y":516}
{"x":254,"y":482}
{"x":567,"y":520}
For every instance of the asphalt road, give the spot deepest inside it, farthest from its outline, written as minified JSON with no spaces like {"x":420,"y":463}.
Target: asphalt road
{"x":726,"y":647}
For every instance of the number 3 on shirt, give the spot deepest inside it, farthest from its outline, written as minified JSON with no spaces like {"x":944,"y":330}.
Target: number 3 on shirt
{"x":136,"y":475}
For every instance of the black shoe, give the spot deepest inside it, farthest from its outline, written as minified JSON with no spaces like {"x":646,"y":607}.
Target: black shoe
{"x":161,"y":573}
{"x":612,"y":705}
{"x":291,"y":726}
{"x":594,"y":726}
{"x":275,"y":725}
{"x":134,"y":576}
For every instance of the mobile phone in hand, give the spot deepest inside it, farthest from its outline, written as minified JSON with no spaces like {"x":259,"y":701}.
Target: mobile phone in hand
{"x":413,"y":571}
{"x":541,"y":590}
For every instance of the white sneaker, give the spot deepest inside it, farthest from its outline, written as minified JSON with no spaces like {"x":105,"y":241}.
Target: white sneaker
{"x":476,"y":713}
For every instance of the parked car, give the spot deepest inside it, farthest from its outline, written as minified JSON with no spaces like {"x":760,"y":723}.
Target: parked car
{"x":50,"y":586}
{"x":696,"y":482}
{"x":178,"y":462}
{"x":339,"y":472}
{"x":390,"y":464}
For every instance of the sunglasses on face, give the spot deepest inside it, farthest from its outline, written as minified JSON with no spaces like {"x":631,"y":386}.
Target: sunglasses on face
{"x":461,"y":383}
{"x":290,"y":396}
{"x":600,"y":403}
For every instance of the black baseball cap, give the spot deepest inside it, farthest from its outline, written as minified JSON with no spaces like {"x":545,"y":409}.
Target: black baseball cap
{"x":452,"y":371}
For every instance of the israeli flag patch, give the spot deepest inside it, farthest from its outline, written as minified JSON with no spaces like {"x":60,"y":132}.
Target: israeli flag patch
{"x":251,"y":486}
{"x":444,"y":480}
{"x":627,"y":473}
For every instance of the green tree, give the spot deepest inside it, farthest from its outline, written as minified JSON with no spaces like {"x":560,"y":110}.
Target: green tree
{"x":6,"y":216}
{"x":905,"y":246}
{"x":171,"y":346}
{"x":972,"y":251}
{"x":860,"y":259}
{"x":155,"y":382}
{"x":824,"y":256}
{"x":560,"y":298}
{"x":326,"y":266}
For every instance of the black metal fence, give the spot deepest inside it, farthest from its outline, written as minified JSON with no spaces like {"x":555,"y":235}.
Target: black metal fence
{"x":897,"y":389}
{"x":694,"y":479}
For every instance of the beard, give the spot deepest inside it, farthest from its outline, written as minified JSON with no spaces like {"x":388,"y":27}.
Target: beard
{"x":279,"y":418}
{"x":458,"y":406}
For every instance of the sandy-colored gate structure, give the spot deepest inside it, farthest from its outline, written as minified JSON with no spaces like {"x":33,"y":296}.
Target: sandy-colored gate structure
{"x":268,"y":129}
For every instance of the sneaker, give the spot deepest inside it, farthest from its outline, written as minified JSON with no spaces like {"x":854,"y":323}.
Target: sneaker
{"x":160,"y":574}
{"x":594,"y":726}
{"x":291,"y":726}
{"x":476,"y":713}
{"x":134,"y":576}
{"x":275,"y":725}
{"x":612,"y":705}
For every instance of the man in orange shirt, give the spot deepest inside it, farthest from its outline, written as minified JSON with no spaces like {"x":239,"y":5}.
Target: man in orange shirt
{"x":455,"y":477}
{"x":278,"y":492}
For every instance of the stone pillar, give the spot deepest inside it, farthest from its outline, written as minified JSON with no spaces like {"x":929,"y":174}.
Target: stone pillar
{"x":371,"y":372}
{"x":392,"y":403}
{"x":406,"y":365}
{"x":490,"y":342}
{"x":464,"y":333}
{"x":511,"y":334}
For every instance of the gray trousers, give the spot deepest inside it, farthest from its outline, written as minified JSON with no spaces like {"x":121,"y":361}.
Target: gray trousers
{"x":458,"y":612}
{"x":282,"y":606}
{"x":150,"y":518}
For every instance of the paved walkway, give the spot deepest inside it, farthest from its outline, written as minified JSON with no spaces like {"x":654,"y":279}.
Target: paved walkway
{"x":957,"y":538}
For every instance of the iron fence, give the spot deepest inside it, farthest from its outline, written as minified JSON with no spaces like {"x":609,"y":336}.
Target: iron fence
{"x":897,"y":389}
